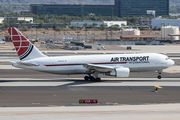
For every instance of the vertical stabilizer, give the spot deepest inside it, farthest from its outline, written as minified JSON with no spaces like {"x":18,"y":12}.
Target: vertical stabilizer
{"x":24,"y":48}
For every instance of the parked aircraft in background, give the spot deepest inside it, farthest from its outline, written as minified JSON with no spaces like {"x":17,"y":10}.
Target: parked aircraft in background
{"x":118,"y":65}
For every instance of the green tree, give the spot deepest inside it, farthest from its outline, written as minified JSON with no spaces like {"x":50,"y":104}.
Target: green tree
{"x":6,"y":24}
{"x":57,"y":28}
{"x":41,"y":24}
{"x":85,"y":25}
{"x":123,"y":25}
{"x":114,"y":27}
{"x":74,"y":26}
{"x":94,"y":24}
{"x":104,"y":25}
{"x":24,"y":28}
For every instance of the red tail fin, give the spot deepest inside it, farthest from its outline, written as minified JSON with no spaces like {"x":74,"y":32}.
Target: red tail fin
{"x":22,"y":45}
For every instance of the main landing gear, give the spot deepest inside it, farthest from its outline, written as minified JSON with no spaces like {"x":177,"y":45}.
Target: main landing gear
{"x":91,"y":78}
{"x":159,"y":76}
{"x":94,"y":79}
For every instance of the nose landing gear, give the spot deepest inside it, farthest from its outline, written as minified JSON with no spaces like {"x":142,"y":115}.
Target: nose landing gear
{"x":159,"y":76}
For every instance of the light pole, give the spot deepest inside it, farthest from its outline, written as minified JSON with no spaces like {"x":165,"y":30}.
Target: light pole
{"x":163,"y":24}
{"x":36,"y":33}
{"x":36,"y":30}
{"x":86,"y":34}
{"x":54,"y":31}
{"x":94,"y":32}
{"x":106,"y":33}
{"x":77,"y":31}
{"x":111,"y":30}
{"x":55,"y":25}
{"x":31,"y":32}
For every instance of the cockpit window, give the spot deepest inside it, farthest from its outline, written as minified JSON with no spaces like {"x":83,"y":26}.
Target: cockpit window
{"x":168,"y":58}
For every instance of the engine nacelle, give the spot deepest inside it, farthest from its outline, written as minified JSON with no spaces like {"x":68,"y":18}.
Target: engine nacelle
{"x":120,"y":72}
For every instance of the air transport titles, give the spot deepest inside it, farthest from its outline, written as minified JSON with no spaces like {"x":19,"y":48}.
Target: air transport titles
{"x":131,"y":60}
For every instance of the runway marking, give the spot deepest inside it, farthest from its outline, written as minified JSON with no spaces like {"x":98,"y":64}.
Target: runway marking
{"x":103,"y":78}
{"x":80,"y":112}
{"x":36,"y":103}
{"x":80,"y":82}
{"x":53,"y":106}
{"x":157,"y":86}
{"x":22,"y":111}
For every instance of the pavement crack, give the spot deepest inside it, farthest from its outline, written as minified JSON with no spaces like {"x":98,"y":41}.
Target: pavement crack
{"x":130,"y":88}
{"x":2,"y":89}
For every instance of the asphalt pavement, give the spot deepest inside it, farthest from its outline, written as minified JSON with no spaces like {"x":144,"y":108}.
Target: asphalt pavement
{"x":27,"y":94}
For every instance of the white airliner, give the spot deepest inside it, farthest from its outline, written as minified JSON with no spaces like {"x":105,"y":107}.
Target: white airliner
{"x":118,"y":65}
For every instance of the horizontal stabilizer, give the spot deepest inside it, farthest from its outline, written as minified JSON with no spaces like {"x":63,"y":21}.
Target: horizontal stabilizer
{"x":12,"y":61}
{"x":23,"y":63}
{"x":27,"y":64}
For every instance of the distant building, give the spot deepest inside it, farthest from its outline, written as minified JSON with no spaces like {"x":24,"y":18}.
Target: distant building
{"x":29,"y":19}
{"x":145,"y":21}
{"x":17,"y":11}
{"x":72,"y":10}
{"x":109,"y":23}
{"x":174,"y":15}
{"x":36,"y":25}
{"x":22,"y":12}
{"x":157,"y":23}
{"x":124,"y":8}
{"x":25,"y":12}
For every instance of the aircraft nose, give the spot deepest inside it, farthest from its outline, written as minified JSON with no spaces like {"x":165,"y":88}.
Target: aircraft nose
{"x":171,"y":62}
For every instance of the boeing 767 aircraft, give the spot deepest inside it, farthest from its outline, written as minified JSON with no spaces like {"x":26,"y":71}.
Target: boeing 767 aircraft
{"x":118,"y":65}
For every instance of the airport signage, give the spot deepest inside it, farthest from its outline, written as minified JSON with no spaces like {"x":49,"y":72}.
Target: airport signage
{"x":88,"y":101}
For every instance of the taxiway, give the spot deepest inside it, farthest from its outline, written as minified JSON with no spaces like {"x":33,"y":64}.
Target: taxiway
{"x":27,"y":94}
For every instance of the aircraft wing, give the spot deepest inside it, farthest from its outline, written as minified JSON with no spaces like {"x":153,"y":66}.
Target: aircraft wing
{"x":23,"y":63}
{"x":99,"y":68}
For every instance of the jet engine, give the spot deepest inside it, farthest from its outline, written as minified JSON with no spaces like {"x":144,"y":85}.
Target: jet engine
{"x":119,"y":72}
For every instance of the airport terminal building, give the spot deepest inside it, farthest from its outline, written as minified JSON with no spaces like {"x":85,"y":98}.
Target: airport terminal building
{"x":121,"y":8}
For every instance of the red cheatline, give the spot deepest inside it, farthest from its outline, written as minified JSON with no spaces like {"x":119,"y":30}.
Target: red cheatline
{"x":90,"y":63}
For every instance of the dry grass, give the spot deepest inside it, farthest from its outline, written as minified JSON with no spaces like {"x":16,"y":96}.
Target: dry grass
{"x":80,"y":32}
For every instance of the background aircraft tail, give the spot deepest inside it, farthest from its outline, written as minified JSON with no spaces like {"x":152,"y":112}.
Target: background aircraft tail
{"x":24,"y":48}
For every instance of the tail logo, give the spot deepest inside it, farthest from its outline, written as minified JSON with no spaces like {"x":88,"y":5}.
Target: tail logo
{"x":22,"y":45}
